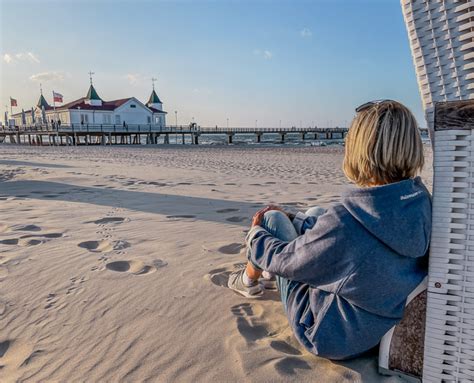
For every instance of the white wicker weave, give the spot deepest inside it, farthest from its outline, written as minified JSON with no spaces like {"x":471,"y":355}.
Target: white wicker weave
{"x":441,"y":34}
{"x":449,"y":339}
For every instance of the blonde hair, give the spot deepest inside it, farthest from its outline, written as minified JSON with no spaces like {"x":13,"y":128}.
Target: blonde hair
{"x":383,"y":145}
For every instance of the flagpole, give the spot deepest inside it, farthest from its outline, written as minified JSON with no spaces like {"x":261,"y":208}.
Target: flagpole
{"x":54,"y":107}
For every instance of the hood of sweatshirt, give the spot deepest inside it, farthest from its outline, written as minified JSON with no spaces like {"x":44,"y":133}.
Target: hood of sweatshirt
{"x":397,"y":214}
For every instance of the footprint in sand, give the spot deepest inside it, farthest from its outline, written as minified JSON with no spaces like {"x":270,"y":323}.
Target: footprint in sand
{"x":182,"y":216}
{"x":135,"y":267}
{"x":253,"y":330}
{"x":26,"y":228}
{"x":237,"y":219}
{"x":248,"y":325}
{"x":154,"y":183}
{"x":289,"y":365}
{"x":97,"y":246}
{"x":229,"y":210}
{"x":11,"y":241}
{"x":284,"y":347}
{"x":16,"y":353}
{"x":108,"y":220}
{"x":232,"y":248}
{"x":30,"y":242}
{"x":25,"y":242}
{"x":104,"y":246}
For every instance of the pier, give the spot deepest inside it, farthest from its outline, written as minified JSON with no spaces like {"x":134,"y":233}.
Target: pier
{"x":73,"y":135}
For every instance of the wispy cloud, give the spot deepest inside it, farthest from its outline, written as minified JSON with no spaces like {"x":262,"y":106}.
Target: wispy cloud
{"x":47,"y":76}
{"x":11,"y":58}
{"x":305,"y":33}
{"x":133,"y":78}
{"x":266,"y":54}
{"x":7,"y":58}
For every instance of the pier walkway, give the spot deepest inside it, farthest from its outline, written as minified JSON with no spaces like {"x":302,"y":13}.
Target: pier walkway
{"x":82,"y":134}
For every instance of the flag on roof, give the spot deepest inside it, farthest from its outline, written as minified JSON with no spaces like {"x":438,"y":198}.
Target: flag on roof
{"x":57,"y":97}
{"x":13,"y":102}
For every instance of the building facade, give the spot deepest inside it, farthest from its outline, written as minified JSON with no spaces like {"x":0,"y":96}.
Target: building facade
{"x":92,"y":110}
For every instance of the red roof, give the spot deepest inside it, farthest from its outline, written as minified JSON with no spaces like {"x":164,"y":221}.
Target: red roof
{"x":81,"y":103}
{"x":154,"y":110}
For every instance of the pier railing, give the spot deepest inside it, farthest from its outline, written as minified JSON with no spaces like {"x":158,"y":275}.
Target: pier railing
{"x":135,"y":128}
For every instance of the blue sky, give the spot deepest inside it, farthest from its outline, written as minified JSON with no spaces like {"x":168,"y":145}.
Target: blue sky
{"x":301,"y":62}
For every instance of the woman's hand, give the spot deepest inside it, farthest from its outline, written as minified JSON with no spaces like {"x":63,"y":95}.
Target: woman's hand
{"x":258,"y":217}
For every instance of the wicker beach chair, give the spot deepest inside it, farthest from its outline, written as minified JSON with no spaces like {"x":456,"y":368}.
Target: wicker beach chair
{"x":449,"y":326}
{"x":449,"y":340}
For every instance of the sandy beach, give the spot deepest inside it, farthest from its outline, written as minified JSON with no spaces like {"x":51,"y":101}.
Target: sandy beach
{"x":114,"y":263}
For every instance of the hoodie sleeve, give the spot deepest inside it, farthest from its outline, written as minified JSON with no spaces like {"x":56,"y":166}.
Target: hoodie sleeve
{"x":315,"y":258}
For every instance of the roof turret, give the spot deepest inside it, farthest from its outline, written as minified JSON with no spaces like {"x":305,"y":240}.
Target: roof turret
{"x":154,"y":99}
{"x":92,"y":94}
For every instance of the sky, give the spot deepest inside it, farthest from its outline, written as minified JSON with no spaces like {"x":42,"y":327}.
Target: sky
{"x":256,"y":63}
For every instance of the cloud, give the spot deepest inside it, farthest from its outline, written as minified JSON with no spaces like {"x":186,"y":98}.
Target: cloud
{"x":305,"y":33}
{"x":7,"y":58}
{"x":266,"y":54}
{"x":47,"y":76}
{"x":11,"y":58}
{"x":133,"y":78}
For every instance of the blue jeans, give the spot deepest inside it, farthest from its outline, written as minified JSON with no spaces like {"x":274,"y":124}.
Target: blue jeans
{"x":280,"y":226}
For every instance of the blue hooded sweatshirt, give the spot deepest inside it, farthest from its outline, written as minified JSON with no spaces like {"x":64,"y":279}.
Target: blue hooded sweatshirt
{"x":355,"y":266}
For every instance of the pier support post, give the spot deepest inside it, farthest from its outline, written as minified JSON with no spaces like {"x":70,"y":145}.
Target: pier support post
{"x":282,"y":137}
{"x":183,"y":139}
{"x":259,"y":137}
{"x":303,"y":136}
{"x":230,"y":137}
{"x":18,"y":138}
{"x":167,"y":139}
{"x":29,"y":139}
{"x":196,"y":139}
{"x":110,"y":138}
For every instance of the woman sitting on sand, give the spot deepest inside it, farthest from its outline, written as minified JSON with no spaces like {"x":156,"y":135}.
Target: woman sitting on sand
{"x":344,"y":274}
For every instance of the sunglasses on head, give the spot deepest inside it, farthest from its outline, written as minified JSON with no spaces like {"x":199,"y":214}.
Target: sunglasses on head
{"x":371,"y":103}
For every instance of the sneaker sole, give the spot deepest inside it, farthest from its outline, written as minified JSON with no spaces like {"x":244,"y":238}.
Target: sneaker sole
{"x":268,"y":285}
{"x":245,"y":294}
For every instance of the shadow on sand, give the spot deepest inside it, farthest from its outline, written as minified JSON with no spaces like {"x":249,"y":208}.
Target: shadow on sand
{"x":34,"y":164}
{"x":169,"y":205}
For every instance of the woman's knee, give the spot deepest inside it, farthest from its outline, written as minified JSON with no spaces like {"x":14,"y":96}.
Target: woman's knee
{"x":279,"y":225}
{"x":275,"y":216}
